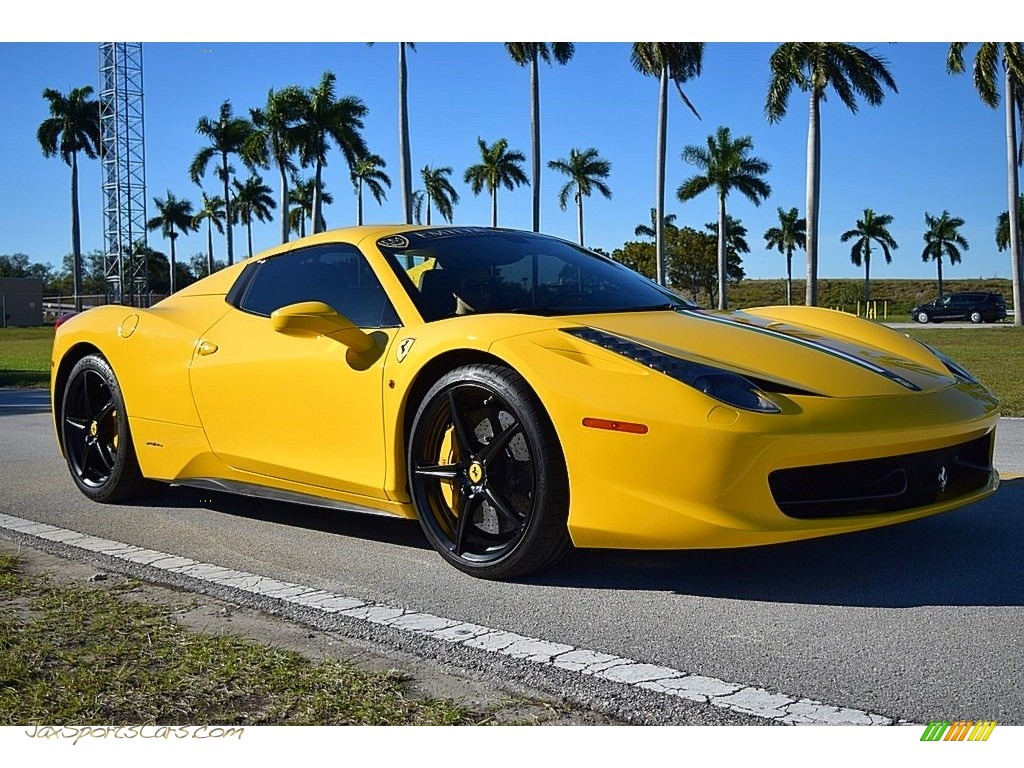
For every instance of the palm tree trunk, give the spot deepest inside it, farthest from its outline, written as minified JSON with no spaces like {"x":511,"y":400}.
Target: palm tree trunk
{"x":359,"y":203}
{"x":209,"y":246}
{"x":428,"y":210}
{"x":494,"y":207}
{"x":248,"y":229}
{"x":659,"y":226}
{"x":76,"y":236}
{"x":173,"y":282}
{"x":404,"y":156}
{"x":813,"y":193}
{"x":939,"y":262}
{"x":317,"y":198}
{"x":1013,"y":189}
{"x":284,"y":205}
{"x":579,"y":213}
{"x":789,"y":276}
{"x":867,"y":275}
{"x":535,"y":134}
{"x":723,"y":277}
{"x":227,"y":210}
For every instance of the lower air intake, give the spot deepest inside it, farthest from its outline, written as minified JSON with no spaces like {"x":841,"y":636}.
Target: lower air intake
{"x":891,"y":484}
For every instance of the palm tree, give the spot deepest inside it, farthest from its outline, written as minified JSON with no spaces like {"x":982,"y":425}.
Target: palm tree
{"x":872,"y":227}
{"x":325,"y":118}
{"x":986,"y":64}
{"x":227,"y":136}
{"x":941,"y":238}
{"x":525,"y":54}
{"x":786,"y":238}
{"x":586,"y":171}
{"x":214,"y":215}
{"x":1003,"y":225}
{"x":439,"y":191}
{"x":668,"y":223}
{"x":254,"y":199}
{"x":417,"y":205}
{"x":301,"y":197}
{"x":72,"y":127}
{"x":498,"y":167}
{"x":735,"y":234}
{"x":274,"y":139}
{"x":367,"y":172}
{"x":677,"y":62}
{"x":175,"y":217}
{"x":813,"y":67}
{"x":727,"y":165}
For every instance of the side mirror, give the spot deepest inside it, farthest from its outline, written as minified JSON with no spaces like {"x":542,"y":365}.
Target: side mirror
{"x":314,"y":318}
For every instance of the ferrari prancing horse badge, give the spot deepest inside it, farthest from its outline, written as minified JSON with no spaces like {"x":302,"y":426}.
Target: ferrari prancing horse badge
{"x":403,"y":348}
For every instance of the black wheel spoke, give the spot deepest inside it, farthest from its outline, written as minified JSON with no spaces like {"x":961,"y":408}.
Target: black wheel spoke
{"x":465,"y":512}
{"x":458,"y":422}
{"x":79,"y":424}
{"x":504,"y":510}
{"x":105,"y":456}
{"x":439,"y":471}
{"x":104,"y":411}
{"x":86,"y":456}
{"x":498,"y":441}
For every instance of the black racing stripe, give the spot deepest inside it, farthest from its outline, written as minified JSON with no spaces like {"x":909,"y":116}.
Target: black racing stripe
{"x":815,"y":345}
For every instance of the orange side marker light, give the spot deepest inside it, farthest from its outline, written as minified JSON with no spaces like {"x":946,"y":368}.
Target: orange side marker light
{"x":616,"y":426}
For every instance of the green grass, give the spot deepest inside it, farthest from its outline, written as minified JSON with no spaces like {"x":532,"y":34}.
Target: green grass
{"x":994,"y":355}
{"x":72,"y":655}
{"x":25,"y":356}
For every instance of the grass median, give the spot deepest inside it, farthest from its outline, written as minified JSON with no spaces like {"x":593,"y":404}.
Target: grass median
{"x":25,"y":356}
{"x":78,"y":655}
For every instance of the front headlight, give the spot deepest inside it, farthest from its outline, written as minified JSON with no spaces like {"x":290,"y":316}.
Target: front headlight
{"x":725,"y":386}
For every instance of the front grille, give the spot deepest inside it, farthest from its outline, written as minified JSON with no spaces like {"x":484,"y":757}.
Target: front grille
{"x":890,"y":484}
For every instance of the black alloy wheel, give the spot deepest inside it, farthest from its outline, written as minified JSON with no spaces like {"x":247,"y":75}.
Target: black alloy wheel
{"x":487,"y":475}
{"x":95,"y":436}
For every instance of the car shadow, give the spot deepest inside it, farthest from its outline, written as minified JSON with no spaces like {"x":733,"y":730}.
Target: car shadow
{"x":383,"y":528}
{"x":972,"y":556}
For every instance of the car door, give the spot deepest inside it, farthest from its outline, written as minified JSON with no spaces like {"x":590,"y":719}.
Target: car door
{"x":303,"y":408}
{"x":945,"y":309}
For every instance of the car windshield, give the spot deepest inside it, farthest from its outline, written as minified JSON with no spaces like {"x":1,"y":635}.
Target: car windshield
{"x":463,"y":270}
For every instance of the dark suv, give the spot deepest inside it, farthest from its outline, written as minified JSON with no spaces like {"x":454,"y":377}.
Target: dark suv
{"x":976,"y":307}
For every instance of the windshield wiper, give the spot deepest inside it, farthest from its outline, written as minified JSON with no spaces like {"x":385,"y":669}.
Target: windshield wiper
{"x":656,"y":307}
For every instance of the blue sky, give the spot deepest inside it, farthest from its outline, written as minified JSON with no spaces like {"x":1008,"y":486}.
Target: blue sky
{"x":931,"y":146}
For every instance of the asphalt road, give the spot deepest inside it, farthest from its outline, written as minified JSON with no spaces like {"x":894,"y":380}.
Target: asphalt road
{"x":917,"y":622}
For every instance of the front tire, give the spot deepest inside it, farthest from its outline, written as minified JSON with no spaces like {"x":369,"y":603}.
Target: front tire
{"x":487,"y":475}
{"x":976,"y":317}
{"x":95,"y":435}
{"x":922,"y":317}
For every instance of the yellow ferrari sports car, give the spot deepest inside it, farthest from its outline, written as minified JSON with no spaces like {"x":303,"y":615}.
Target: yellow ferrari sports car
{"x":519,"y":396}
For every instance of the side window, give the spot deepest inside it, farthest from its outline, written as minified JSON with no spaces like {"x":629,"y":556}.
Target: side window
{"x":338,"y":275}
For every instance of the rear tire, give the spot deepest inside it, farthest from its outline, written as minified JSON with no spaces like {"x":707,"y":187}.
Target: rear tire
{"x":976,"y":317}
{"x":95,"y":435}
{"x":487,"y":475}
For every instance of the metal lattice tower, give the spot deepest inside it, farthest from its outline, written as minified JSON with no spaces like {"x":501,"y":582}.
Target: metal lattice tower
{"x":124,"y":172}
